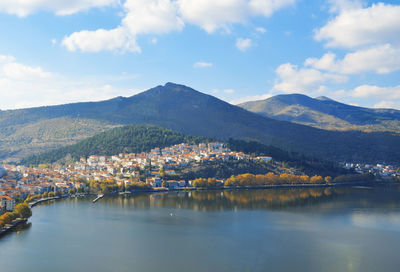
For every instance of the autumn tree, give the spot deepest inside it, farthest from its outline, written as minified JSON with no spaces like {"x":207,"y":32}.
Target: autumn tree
{"x":23,"y":210}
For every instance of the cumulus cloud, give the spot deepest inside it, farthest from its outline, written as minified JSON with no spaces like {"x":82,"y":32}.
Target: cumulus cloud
{"x":164,"y":16}
{"x":380,"y":59}
{"x":28,"y":86}
{"x":214,"y":14}
{"x":355,"y":26}
{"x":117,"y":39}
{"x":202,"y":64}
{"x":151,"y":17}
{"x":243,"y":44}
{"x":142,"y":17}
{"x":371,"y":91}
{"x":372,"y":95}
{"x":60,"y":7}
{"x":291,"y":78}
{"x":18,"y":71}
{"x":211,"y":14}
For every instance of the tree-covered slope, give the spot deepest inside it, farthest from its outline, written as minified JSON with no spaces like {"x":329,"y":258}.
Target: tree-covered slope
{"x":142,"y":138}
{"x":127,"y":139}
{"x":325,"y":113}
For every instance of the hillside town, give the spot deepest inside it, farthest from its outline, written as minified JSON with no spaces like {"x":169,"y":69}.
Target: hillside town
{"x":17,"y":182}
{"x":152,"y":169}
{"x":383,"y":171}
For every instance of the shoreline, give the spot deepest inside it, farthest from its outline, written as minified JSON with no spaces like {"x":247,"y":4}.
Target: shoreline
{"x":11,"y":227}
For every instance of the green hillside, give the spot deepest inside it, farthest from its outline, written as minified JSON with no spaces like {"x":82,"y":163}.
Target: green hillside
{"x":127,"y":139}
{"x":21,"y":140}
{"x":190,"y":112}
{"x":142,"y":138}
{"x":325,"y":113}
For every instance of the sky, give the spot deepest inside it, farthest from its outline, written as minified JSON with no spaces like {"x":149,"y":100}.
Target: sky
{"x":63,"y":51}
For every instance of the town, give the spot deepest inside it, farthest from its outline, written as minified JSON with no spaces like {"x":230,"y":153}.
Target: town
{"x":153,"y":171}
{"x":17,"y":182}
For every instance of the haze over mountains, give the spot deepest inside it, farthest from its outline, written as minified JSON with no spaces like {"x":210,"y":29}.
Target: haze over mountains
{"x":325,"y":113}
{"x":188,"y":111}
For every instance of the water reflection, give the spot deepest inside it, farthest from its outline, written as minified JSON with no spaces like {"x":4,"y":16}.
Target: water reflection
{"x":228,"y":199}
{"x":319,"y":229}
{"x":273,"y":199}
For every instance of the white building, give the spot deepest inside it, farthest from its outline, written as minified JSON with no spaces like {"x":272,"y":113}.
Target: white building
{"x":7,"y":202}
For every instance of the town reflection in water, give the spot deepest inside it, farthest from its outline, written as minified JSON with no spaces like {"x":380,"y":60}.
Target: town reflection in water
{"x":220,"y":200}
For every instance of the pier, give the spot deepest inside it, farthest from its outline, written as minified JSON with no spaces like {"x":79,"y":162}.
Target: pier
{"x":98,"y":198}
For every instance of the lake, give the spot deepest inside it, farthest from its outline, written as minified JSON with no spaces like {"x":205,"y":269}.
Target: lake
{"x":335,"y":229}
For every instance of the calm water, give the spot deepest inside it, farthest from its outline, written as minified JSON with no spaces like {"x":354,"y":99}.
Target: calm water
{"x":344,"y":229}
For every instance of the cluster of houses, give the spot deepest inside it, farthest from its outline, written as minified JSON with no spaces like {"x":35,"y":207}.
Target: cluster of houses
{"x":17,"y":181}
{"x":384,"y":171}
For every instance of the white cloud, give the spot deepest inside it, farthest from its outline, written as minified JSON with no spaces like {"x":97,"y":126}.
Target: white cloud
{"x":151,"y":17}
{"x":142,"y":17}
{"x":387,"y":105}
{"x":244,"y":44}
{"x":202,"y":64}
{"x":381,"y":59}
{"x":60,"y":7}
{"x":337,"y":6}
{"x":268,"y":7}
{"x":354,"y":27}
{"x":261,"y":29}
{"x":117,"y":39}
{"x":214,"y":14}
{"x":26,"y":86}
{"x":372,"y":91}
{"x":18,"y":71}
{"x":164,"y":16}
{"x":292,"y":79}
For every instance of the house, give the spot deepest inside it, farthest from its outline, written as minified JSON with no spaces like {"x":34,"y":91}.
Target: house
{"x":154,"y":182}
{"x":265,"y":158}
{"x":172,"y":184}
{"x":7,"y":202}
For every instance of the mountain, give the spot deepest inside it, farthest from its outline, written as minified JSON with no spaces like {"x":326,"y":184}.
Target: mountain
{"x":190,"y":112}
{"x":323,"y":112}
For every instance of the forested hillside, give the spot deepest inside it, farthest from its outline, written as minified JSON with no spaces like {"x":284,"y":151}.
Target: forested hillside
{"x":127,"y":139}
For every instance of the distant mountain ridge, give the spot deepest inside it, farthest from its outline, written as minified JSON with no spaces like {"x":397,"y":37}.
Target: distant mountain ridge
{"x":325,"y":113}
{"x":191,"y":112}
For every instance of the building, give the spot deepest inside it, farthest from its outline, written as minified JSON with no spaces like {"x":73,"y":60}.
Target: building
{"x":7,"y":202}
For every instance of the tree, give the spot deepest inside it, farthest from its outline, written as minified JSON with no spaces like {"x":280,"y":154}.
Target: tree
{"x":316,"y":179}
{"x":23,"y":210}
{"x":328,"y":179}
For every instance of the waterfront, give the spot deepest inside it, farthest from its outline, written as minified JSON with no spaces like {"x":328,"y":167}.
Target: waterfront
{"x":317,"y":229}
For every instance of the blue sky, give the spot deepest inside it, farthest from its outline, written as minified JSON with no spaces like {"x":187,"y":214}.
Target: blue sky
{"x":61,"y":51}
